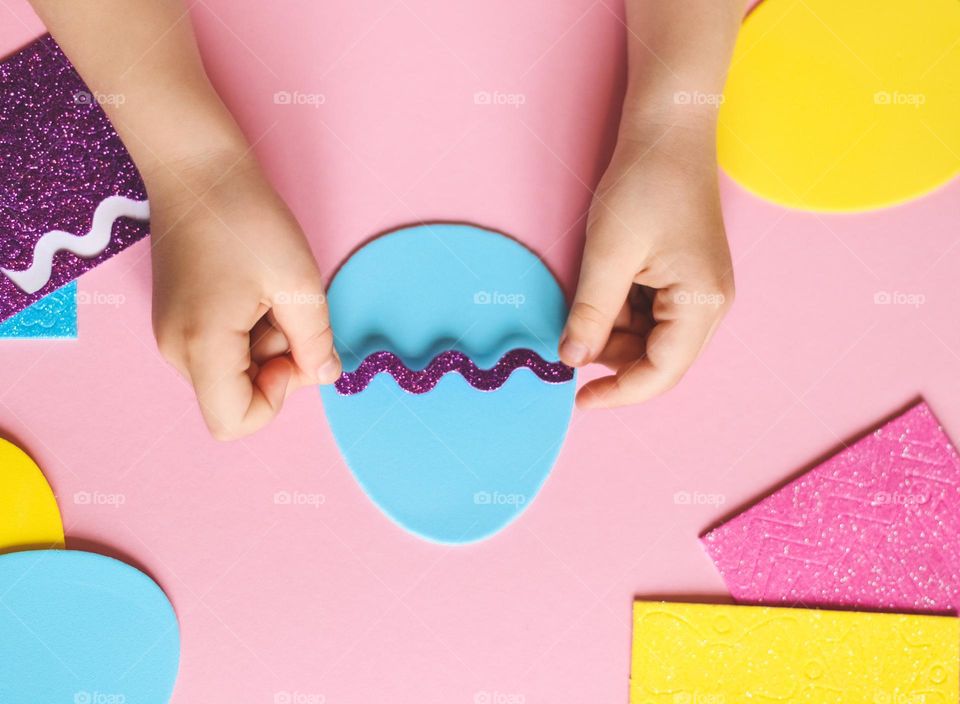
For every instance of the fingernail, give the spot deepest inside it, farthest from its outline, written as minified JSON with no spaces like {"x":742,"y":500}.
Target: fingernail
{"x":329,"y":370}
{"x":573,"y":352}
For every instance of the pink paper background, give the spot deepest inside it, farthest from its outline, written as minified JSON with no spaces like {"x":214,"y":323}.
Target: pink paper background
{"x":333,"y":602}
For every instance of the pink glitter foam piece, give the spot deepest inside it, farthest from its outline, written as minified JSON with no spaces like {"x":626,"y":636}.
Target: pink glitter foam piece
{"x":875,"y":526}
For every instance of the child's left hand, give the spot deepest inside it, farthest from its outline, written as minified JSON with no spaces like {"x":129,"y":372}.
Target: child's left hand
{"x":656,"y":276}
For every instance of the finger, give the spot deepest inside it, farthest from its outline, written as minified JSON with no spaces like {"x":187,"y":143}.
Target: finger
{"x":624,"y":317}
{"x":628,"y":339}
{"x":304,"y":320}
{"x":623,"y":348}
{"x":671,"y":348}
{"x":605,"y":281}
{"x":267,"y":341}
{"x":234,"y":404}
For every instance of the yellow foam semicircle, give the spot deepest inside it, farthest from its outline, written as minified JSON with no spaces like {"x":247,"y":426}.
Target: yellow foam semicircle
{"x":844,"y":106}
{"x":29,"y":517}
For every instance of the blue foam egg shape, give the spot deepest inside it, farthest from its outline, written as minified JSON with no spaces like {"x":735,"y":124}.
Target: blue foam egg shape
{"x":53,"y":316}
{"x":454,"y":464}
{"x":83,"y":628}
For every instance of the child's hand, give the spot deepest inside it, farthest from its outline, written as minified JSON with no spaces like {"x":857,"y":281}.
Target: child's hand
{"x":239,"y":306}
{"x":656,"y":276}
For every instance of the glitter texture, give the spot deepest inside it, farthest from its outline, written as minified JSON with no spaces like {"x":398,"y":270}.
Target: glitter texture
{"x":59,"y":158}
{"x":53,"y":316}
{"x":419,"y":382}
{"x":877,"y":526}
{"x":722,"y":654}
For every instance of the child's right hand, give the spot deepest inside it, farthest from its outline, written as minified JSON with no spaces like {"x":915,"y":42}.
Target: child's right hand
{"x":239,"y":305}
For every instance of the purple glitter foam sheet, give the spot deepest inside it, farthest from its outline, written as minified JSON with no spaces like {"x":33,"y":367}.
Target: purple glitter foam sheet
{"x":423,"y":380}
{"x":875,"y":526}
{"x":60,"y":160}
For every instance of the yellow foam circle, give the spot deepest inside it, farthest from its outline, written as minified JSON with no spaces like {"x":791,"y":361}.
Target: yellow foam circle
{"x":719,"y":654}
{"x":844,"y":105}
{"x":29,"y":517}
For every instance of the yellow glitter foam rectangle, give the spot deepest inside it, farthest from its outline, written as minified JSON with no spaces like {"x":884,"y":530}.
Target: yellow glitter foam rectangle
{"x":718,"y":654}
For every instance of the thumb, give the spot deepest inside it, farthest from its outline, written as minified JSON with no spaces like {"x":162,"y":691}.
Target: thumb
{"x":601,"y":293}
{"x":304,"y":319}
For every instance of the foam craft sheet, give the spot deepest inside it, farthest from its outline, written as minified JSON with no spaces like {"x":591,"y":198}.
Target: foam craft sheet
{"x":454,"y":464}
{"x":70,"y":196}
{"x":843,"y":106}
{"x":53,"y":316}
{"x":708,"y":653}
{"x":877,"y":525}
{"x":29,"y":516}
{"x":81,"y":627}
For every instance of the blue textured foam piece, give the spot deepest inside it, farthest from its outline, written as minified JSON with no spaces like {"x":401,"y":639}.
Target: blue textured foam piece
{"x":53,"y":316}
{"x":81,"y":627}
{"x":453,"y":465}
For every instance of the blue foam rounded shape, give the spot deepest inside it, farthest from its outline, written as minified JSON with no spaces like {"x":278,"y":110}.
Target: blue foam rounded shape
{"x":81,"y":628}
{"x":453,"y":465}
{"x":53,"y":316}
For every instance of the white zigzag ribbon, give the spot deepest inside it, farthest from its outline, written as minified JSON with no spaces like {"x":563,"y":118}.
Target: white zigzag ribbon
{"x":36,"y":276}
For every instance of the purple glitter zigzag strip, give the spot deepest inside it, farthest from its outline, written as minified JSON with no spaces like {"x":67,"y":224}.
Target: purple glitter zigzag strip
{"x":419,"y":382}
{"x":60,"y":158}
